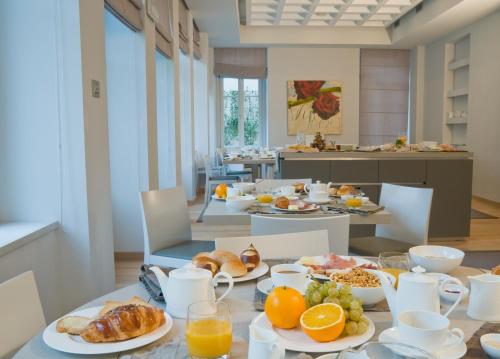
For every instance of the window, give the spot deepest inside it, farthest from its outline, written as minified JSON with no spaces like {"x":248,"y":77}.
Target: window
{"x":242,"y":112}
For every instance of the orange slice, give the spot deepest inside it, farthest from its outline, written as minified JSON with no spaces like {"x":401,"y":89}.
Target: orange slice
{"x":323,"y":322}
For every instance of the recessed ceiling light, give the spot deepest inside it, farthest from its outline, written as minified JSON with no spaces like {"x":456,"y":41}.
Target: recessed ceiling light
{"x":381,"y":17}
{"x":345,"y":23}
{"x":374,"y":23}
{"x":388,"y":10}
{"x":351,"y":17}
{"x":358,"y":9}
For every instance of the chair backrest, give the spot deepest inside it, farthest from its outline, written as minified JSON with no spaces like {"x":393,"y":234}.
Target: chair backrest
{"x":21,"y":312}
{"x":220,"y":156}
{"x":337,"y":227}
{"x":410,"y":208}
{"x":165,"y":218}
{"x":288,"y":245}
{"x":207,"y":162}
{"x":267,"y":185}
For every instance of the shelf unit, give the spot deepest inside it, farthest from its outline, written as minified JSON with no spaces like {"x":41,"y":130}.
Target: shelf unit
{"x":456,"y":91}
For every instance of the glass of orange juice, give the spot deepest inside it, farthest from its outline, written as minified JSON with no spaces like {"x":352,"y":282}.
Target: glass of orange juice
{"x":209,"y":330}
{"x":394,"y":263}
{"x":264,"y":198}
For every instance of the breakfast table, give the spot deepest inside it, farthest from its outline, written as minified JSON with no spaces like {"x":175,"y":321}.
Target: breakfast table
{"x":241,"y":301}
{"x":260,"y":165}
{"x":217,"y":213}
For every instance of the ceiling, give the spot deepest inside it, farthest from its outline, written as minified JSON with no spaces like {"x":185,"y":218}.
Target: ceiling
{"x":334,"y":13}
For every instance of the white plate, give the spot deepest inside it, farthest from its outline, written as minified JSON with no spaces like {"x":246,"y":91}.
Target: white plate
{"x":295,"y":339}
{"x":266,"y":285}
{"x":76,"y":345}
{"x":320,"y":260}
{"x":310,"y":201}
{"x":311,"y":209}
{"x":457,"y":351}
{"x":261,"y":269}
{"x":217,"y":198}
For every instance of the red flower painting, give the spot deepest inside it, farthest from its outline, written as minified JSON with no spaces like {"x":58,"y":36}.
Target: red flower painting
{"x":326,"y":105}
{"x":305,"y":89}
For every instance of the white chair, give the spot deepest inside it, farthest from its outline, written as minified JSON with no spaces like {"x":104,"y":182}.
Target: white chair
{"x":410,"y":208}
{"x":21,"y":312}
{"x":213,"y":179}
{"x":167,"y":229}
{"x":269,"y":185}
{"x":290,"y":245}
{"x":337,"y":227}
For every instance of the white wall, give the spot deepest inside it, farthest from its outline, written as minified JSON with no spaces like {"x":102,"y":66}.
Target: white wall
{"x":484,"y":106}
{"x":283,"y":64}
{"x":126,"y":109}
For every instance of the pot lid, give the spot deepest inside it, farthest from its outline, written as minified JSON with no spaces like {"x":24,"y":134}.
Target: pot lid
{"x":418,"y":275}
{"x":190,"y":273}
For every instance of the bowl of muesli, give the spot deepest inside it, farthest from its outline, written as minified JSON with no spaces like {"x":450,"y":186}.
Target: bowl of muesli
{"x":365,"y":283}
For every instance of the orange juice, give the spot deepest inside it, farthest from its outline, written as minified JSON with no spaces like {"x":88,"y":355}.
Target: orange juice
{"x":353,"y":202}
{"x":209,"y":338}
{"x":395,"y":272}
{"x":265,"y":198}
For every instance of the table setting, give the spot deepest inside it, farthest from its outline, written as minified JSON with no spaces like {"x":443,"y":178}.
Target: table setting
{"x":307,"y":307}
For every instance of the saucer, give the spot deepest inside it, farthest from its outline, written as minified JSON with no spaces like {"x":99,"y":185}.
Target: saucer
{"x":325,"y":201}
{"x":457,"y":351}
{"x":266,"y":285}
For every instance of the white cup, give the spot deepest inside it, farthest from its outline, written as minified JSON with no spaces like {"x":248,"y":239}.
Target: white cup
{"x":318,"y":196}
{"x":233,"y":192}
{"x":264,"y":343}
{"x":287,"y":190}
{"x":427,"y":330}
{"x":299,"y":279}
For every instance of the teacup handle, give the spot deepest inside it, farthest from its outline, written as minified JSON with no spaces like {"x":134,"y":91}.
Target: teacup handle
{"x":279,"y":350}
{"x":229,"y":280}
{"x":306,"y":188}
{"x":459,"y":299}
{"x":459,"y":336}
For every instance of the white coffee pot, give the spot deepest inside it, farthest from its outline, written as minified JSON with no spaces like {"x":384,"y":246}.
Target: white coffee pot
{"x":317,"y":187}
{"x":416,"y":291}
{"x":484,"y":302}
{"x":184,"y":286}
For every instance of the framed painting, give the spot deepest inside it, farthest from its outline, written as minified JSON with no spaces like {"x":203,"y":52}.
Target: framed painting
{"x":314,"y":106}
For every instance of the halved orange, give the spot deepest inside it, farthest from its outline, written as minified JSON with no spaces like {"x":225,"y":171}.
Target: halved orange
{"x":323,"y":322}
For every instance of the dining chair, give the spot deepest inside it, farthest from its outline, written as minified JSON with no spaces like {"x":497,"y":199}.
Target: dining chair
{"x":21,"y":313}
{"x":410,"y":209}
{"x":245,"y":174}
{"x":337,"y":227}
{"x":167,"y":229}
{"x":269,"y":185}
{"x":213,"y":179}
{"x":289,"y":245}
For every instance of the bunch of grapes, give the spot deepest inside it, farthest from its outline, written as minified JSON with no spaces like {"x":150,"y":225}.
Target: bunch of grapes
{"x":328,"y":292}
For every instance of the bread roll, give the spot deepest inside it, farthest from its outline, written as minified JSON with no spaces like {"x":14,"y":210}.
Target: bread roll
{"x":282,"y":202}
{"x":206,"y":263}
{"x":73,"y":325}
{"x":201,"y":254}
{"x":222,"y":257}
{"x":235,"y":268}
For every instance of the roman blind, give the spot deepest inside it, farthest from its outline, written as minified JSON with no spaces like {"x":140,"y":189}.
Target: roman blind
{"x":128,"y":11}
{"x":196,"y":42}
{"x":240,"y":62}
{"x":183,"y":27}
{"x":164,"y":26}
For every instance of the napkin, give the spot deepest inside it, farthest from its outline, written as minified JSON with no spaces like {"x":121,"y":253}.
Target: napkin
{"x":148,"y":279}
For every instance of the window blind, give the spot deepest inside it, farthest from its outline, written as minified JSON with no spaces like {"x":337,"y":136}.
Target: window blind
{"x":240,"y":62}
{"x":196,"y":42}
{"x":128,"y":11}
{"x":164,"y":26}
{"x":183,"y":27}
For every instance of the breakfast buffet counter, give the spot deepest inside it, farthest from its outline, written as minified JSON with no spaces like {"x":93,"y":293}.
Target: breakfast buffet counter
{"x":448,"y":173}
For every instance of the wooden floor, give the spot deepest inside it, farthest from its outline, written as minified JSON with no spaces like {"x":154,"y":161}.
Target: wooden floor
{"x":485,"y":236}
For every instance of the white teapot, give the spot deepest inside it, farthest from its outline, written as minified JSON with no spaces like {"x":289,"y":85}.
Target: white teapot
{"x":416,"y":291}
{"x":184,"y":286}
{"x":484,"y":301}
{"x":317,"y":187}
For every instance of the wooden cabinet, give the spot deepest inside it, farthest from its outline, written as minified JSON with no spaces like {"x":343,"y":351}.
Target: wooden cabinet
{"x":317,"y":170}
{"x":402,"y":172}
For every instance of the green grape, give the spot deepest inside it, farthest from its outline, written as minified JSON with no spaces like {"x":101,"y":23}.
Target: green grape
{"x":351,"y":328}
{"x":333,"y":292}
{"x":316,"y":298}
{"x":313,"y":285}
{"x":335,"y":300}
{"x":324,"y":290}
{"x":359,"y":300}
{"x":362,"y":327}
{"x":355,"y":314}
{"x":345,"y":301}
{"x":364,"y":320}
{"x":329,"y":300}
{"x":346,"y":314}
{"x":355,"y":304}
{"x":345,"y":290}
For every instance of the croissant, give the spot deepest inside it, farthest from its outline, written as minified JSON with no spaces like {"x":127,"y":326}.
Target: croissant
{"x":122,"y":323}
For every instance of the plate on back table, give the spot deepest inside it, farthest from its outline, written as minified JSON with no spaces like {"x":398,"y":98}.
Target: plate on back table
{"x":331,"y":262}
{"x":74,"y":344}
{"x":308,"y":208}
{"x":258,"y":272}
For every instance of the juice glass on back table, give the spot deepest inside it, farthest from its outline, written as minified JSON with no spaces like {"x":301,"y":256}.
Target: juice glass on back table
{"x":209,"y":330}
{"x":394,"y":263}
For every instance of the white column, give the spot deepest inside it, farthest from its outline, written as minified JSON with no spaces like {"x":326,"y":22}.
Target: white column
{"x":177,"y":105}
{"x":419,"y":89}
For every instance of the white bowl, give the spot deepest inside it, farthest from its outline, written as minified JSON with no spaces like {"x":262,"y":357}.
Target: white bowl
{"x":438,"y":259}
{"x":245,"y":187}
{"x":493,"y":350}
{"x":371,"y":295}
{"x":240,"y":203}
